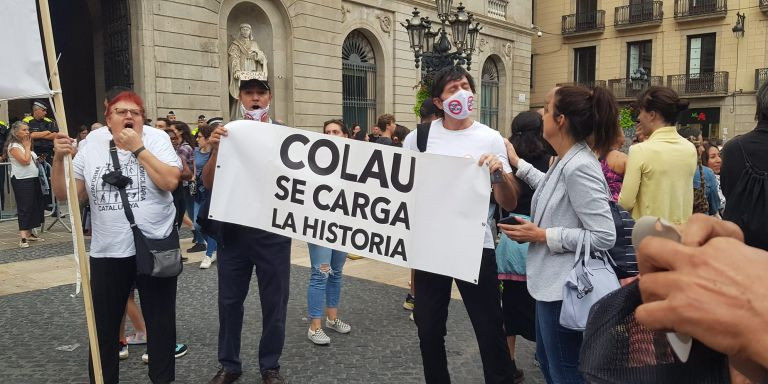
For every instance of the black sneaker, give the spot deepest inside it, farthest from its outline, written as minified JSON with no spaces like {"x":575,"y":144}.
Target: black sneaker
{"x":199,"y":247}
{"x":272,"y":376}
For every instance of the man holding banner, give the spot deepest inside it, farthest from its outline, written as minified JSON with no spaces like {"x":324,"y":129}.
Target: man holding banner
{"x":241,"y":249}
{"x":457,"y":134}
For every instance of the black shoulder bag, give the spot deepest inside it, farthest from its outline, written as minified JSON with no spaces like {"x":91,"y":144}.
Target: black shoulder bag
{"x":154,"y":257}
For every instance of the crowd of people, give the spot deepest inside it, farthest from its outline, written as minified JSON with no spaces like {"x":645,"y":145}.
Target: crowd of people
{"x":558,"y":174}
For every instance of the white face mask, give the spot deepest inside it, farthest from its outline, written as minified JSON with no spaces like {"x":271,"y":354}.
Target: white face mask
{"x":256,"y":114}
{"x":460,"y":105}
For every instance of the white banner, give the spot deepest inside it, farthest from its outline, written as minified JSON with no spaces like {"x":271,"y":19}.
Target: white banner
{"x":402,"y":207}
{"x":22,"y":69}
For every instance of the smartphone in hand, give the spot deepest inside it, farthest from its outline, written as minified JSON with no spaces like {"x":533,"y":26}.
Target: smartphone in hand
{"x":509,"y":220}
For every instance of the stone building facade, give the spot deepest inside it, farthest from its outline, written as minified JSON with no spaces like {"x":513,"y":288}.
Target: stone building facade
{"x":326,"y":58}
{"x":688,"y":45}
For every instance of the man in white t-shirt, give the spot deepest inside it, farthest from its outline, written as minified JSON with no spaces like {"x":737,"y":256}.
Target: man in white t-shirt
{"x":457,"y":134}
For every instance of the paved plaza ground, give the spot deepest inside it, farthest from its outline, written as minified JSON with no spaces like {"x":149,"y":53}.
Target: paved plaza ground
{"x":40,"y":315}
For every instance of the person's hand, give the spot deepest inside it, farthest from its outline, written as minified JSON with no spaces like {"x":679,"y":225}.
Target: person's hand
{"x":700,"y":228}
{"x":216,"y":136}
{"x":493,"y":162}
{"x":63,"y":145}
{"x":26,"y":141}
{"x":511,"y":153}
{"x":712,"y":288}
{"x":128,"y":140}
{"x":526,"y":231}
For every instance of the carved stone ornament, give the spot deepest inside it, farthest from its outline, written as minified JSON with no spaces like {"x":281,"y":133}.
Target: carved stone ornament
{"x":482,"y":44}
{"x":508,"y":49}
{"x":385,"y":22}
{"x":246,"y":62}
{"x":344,"y":12}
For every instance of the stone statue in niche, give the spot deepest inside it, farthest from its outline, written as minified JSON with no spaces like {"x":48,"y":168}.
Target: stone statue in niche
{"x":246,"y":60}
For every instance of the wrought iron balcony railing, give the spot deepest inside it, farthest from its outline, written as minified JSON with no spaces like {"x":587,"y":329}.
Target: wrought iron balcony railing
{"x":702,"y":84}
{"x":585,"y":22}
{"x":700,"y":8}
{"x":630,"y":89}
{"x":647,"y":12}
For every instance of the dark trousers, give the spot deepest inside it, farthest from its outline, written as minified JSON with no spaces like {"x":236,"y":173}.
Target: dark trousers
{"x":111,"y":281}
{"x":557,"y":347}
{"x":240,"y":251}
{"x":483,"y":305}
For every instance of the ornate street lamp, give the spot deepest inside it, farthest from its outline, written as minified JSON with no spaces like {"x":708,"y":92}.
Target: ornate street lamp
{"x":432,"y":49}
{"x":738,"y":29}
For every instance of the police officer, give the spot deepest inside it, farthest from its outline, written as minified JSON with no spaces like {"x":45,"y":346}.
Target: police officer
{"x":43,"y":130}
{"x":241,"y":249}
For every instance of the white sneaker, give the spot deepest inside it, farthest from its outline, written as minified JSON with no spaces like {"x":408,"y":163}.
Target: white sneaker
{"x":318,"y":337}
{"x":23,"y":243}
{"x":337,"y":325}
{"x":123,"y":352}
{"x":206,"y":263}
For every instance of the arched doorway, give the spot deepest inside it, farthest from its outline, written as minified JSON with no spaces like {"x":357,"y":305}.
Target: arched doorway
{"x":358,"y":80}
{"x":489,"y":94}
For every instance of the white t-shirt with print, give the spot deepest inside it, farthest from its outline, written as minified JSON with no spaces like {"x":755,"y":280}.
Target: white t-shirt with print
{"x":152,"y":207}
{"x":19,"y":170}
{"x":472,"y":142}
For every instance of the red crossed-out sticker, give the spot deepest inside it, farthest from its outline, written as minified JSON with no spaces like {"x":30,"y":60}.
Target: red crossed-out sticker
{"x":455,"y":107}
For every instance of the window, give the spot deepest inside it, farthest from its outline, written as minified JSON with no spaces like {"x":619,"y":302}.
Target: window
{"x":358,"y":81}
{"x":586,"y":14}
{"x":639,"y":54}
{"x":489,"y":95}
{"x":584,"y":65}
{"x":701,"y":55}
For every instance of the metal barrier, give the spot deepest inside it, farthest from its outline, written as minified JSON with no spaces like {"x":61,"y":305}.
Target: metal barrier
{"x":7,"y":199}
{"x":8,"y":209}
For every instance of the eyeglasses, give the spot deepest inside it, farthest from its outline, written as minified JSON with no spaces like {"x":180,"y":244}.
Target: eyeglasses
{"x":124,"y":112}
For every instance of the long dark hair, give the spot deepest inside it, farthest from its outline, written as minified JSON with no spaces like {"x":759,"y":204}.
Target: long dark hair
{"x":705,"y":155}
{"x":186,"y":133}
{"x":527,"y":136}
{"x":592,"y":114}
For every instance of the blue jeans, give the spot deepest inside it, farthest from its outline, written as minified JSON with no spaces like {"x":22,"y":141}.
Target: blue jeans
{"x":325,"y":281}
{"x":209,"y":241}
{"x":190,"y":208}
{"x":557,"y":348}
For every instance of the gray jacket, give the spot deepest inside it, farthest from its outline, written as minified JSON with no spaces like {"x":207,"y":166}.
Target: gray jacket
{"x":571,"y":199}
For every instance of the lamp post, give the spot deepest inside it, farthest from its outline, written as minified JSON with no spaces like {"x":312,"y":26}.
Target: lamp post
{"x":432,"y":49}
{"x":738,"y":29}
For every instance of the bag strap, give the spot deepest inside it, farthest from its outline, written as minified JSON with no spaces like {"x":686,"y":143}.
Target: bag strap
{"x":123,"y":196}
{"x":422,"y":136}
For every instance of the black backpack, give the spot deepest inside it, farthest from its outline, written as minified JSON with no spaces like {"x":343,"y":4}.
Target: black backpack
{"x":749,"y":207}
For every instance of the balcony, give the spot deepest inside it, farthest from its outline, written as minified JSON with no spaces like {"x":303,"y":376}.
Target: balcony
{"x":628,"y":89}
{"x":639,"y":15}
{"x":763,"y":6}
{"x":700,"y":9}
{"x":761,"y":76}
{"x":498,"y":9}
{"x":710,"y":84}
{"x":588,"y":84}
{"x":583,"y":23}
